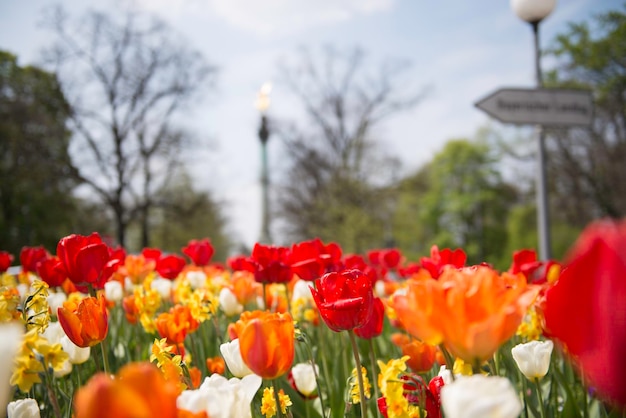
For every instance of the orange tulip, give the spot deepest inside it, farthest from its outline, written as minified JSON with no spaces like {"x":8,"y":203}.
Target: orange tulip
{"x":176,"y":324}
{"x":138,"y":391}
{"x":267,"y":344}
{"x":422,"y":356}
{"x":216,"y":365}
{"x":472,"y":311}
{"x":137,"y":268}
{"x":85,"y":323}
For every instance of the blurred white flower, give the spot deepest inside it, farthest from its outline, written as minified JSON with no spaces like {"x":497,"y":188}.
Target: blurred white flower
{"x":55,"y":301}
{"x":533,"y":358}
{"x":197,"y":279}
{"x":302,"y":290}
{"x":220,"y":397}
{"x":64,"y":370}
{"x":113,"y":291}
{"x":78,"y":355}
{"x":11,"y":334}
{"x":163,"y":286}
{"x":304,"y":378}
{"x":232,"y":358}
{"x":445,"y":374}
{"x":23,"y":408}
{"x":53,"y":333}
{"x":229,"y":303}
{"x":480,"y":396}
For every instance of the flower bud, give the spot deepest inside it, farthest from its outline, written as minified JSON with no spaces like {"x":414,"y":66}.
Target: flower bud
{"x":533,"y":358}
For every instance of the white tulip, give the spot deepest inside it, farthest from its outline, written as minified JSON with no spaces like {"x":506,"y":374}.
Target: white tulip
{"x":23,"y":408}
{"x":480,"y":396}
{"x":304,"y":378}
{"x":229,"y":303}
{"x":533,"y":358}
{"x":11,"y":334}
{"x":232,"y":358}
{"x":220,"y":397}
{"x":163,"y":287}
{"x":55,"y":301}
{"x":113,"y":291}
{"x":78,"y":355}
{"x":53,"y":333}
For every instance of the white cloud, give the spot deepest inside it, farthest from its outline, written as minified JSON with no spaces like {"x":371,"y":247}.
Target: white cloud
{"x":286,"y":16}
{"x":269,"y":17}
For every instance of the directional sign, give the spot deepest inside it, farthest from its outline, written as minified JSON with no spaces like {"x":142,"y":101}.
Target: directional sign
{"x":547,"y":107}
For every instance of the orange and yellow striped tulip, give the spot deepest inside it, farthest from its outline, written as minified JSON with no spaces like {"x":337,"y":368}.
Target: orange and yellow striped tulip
{"x":267,"y":344}
{"x":86,"y":322}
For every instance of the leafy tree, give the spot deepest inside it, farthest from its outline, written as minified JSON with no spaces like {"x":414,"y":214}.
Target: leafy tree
{"x":336,"y":186}
{"x":36,"y":202}
{"x":587,"y":164}
{"x":128,"y":82}
{"x":182,"y":213}
{"x":463,"y":202}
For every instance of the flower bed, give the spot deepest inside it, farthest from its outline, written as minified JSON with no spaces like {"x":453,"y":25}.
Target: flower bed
{"x":307,"y":331}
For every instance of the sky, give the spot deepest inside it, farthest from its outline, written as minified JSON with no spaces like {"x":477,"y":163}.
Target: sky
{"x":459,"y":50}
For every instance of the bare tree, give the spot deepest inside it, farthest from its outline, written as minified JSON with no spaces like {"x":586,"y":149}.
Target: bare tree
{"x":128,"y":81}
{"x":337,"y":169}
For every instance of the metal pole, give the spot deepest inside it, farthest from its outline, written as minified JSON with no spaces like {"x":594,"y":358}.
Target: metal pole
{"x":543,"y":215}
{"x":265,"y":183}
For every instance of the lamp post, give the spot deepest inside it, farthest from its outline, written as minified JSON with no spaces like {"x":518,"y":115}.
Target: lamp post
{"x":533,"y":12}
{"x":262,"y":104}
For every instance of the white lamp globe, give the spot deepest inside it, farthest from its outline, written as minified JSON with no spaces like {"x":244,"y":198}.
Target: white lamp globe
{"x":532,"y":11}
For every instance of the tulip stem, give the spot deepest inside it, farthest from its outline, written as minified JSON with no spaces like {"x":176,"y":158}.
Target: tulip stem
{"x":373,"y":365}
{"x":540,"y":397}
{"x":279,"y":412}
{"x":355,"y":351}
{"x":105,"y":359}
{"x":449,"y":360}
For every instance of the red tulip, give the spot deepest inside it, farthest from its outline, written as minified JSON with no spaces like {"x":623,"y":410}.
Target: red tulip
{"x":5,"y":261}
{"x":51,"y":271}
{"x":345,"y":300}
{"x":374,"y":325}
{"x":440,"y":259}
{"x":151,"y":254}
{"x":84,"y":259}
{"x":30,"y":257}
{"x":170,"y":266}
{"x":271,"y":264}
{"x":585,"y":308}
{"x":200,"y":252}
{"x":311,"y":259}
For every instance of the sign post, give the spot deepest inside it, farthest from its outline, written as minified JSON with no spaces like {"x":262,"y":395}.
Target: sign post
{"x":540,"y":107}
{"x":546,"y":107}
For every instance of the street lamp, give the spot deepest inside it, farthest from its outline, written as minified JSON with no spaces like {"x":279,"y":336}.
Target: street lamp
{"x":533,"y":12}
{"x":262,"y":104}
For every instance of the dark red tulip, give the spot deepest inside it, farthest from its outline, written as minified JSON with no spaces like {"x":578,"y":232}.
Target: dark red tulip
{"x":200,"y":252}
{"x":585,"y":308}
{"x":345,"y":300}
